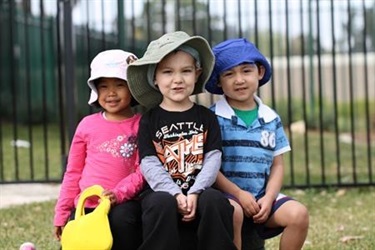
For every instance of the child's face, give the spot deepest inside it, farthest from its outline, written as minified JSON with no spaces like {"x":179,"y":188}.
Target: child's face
{"x":176,"y":76}
{"x":240,"y":83}
{"x":114,"y":97}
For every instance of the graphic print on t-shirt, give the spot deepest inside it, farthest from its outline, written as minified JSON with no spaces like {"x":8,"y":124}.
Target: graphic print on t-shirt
{"x":122,"y":146}
{"x":180,"y":149}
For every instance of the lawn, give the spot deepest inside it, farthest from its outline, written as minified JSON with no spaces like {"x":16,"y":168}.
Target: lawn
{"x":339,"y":219}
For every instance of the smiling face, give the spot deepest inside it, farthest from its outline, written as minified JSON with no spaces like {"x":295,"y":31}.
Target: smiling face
{"x":240,"y":83}
{"x":175,"y":77}
{"x":114,"y":97}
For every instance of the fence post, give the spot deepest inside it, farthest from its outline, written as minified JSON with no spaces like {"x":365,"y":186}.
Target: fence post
{"x":69,"y":62}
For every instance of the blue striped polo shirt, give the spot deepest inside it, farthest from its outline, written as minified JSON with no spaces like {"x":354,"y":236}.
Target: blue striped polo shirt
{"x":248,"y":151}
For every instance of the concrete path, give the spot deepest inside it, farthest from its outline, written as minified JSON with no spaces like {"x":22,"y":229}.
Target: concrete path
{"x":17,"y":194}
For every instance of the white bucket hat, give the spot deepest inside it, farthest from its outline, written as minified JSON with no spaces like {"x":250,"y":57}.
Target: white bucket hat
{"x":138,"y":71}
{"x":109,"y":63}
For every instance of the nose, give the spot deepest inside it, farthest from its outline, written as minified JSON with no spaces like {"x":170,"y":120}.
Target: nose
{"x":239,"y":79}
{"x":112,"y":90}
{"x":177,"y":78}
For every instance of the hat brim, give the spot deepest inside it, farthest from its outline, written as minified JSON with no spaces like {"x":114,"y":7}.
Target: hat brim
{"x":148,"y":96}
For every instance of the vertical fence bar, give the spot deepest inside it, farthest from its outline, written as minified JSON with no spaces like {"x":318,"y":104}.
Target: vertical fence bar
{"x":148,"y":38}
{"x":194,"y":17}
{"x":225,"y":30}
{"x":60,"y":90}
{"x":88,"y":44}
{"x":2,"y":81}
{"x":121,"y":23}
{"x":256,"y":24}
{"x":239,"y":18}
{"x":334,"y":85}
{"x":69,"y":81}
{"x":320,"y":94}
{"x":44,"y":92}
{"x":208,"y":9}
{"x":163,"y":17}
{"x":178,"y":16}
{"x":103,"y":24}
{"x":289,"y":91}
{"x":366,"y":82}
{"x":26,"y":15}
{"x":304,"y":95}
{"x":351,"y":94}
{"x":133,"y":42}
{"x":270,"y":33}
{"x":14,"y":86}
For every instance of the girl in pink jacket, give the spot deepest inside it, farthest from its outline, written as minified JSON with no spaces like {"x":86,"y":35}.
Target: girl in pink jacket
{"x":104,"y":151}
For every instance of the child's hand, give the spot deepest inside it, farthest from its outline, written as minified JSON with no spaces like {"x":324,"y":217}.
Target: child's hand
{"x":248,"y":203}
{"x":192,"y":200}
{"x":181,"y":203}
{"x":265,"y":204}
{"x":111,"y":196}
{"x":58,"y":232}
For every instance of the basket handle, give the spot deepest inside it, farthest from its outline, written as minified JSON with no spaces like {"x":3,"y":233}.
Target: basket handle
{"x":95,"y":190}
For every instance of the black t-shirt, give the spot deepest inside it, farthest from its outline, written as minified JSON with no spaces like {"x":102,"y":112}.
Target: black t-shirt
{"x":179,"y":140}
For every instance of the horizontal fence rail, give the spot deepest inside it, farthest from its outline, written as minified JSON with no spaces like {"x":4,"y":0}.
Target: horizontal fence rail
{"x":323,"y":82}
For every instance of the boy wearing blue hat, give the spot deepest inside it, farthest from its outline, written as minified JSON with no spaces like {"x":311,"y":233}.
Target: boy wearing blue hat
{"x":253,"y":145}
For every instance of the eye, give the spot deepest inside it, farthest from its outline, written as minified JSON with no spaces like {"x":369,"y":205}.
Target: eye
{"x":227,"y":74}
{"x":166,"y":71}
{"x":101,"y":86}
{"x":120,"y":84}
{"x":249,"y":68}
{"x":187,"y":70}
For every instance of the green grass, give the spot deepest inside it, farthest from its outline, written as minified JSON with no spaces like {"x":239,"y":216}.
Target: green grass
{"x":43,"y":160}
{"x":339,"y":219}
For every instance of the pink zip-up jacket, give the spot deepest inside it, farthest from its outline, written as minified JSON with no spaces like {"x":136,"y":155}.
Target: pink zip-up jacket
{"x":102,"y":152}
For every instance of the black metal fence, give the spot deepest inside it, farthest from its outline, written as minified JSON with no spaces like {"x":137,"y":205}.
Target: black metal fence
{"x":323,"y":85}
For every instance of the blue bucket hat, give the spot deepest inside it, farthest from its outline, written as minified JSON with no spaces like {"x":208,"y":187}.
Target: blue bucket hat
{"x":232,"y":53}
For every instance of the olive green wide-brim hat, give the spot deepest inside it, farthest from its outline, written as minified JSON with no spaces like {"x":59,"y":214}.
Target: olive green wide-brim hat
{"x":139,"y":86}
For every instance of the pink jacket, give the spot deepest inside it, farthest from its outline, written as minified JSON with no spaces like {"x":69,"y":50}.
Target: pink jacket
{"x":102,"y":152}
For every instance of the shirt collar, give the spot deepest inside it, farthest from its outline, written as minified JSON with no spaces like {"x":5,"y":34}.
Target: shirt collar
{"x":264,"y":112}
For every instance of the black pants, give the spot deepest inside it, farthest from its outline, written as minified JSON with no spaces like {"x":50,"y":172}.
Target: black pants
{"x":162,"y":224}
{"x":125,"y":223}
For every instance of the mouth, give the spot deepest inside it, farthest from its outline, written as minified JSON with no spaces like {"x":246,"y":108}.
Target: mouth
{"x":240,"y":89}
{"x":178,"y":89}
{"x":112,"y":102}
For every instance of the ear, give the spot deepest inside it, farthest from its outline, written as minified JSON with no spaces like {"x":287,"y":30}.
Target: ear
{"x":131,"y":59}
{"x":198,"y":72}
{"x":261,"y":71}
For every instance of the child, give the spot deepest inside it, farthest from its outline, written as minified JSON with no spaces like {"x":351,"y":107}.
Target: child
{"x":179,"y":146}
{"x":253,"y":144}
{"x":104,"y":152}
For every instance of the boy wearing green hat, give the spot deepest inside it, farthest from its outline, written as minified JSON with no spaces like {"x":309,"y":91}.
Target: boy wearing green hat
{"x":254,"y":142}
{"x":180,"y":146}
